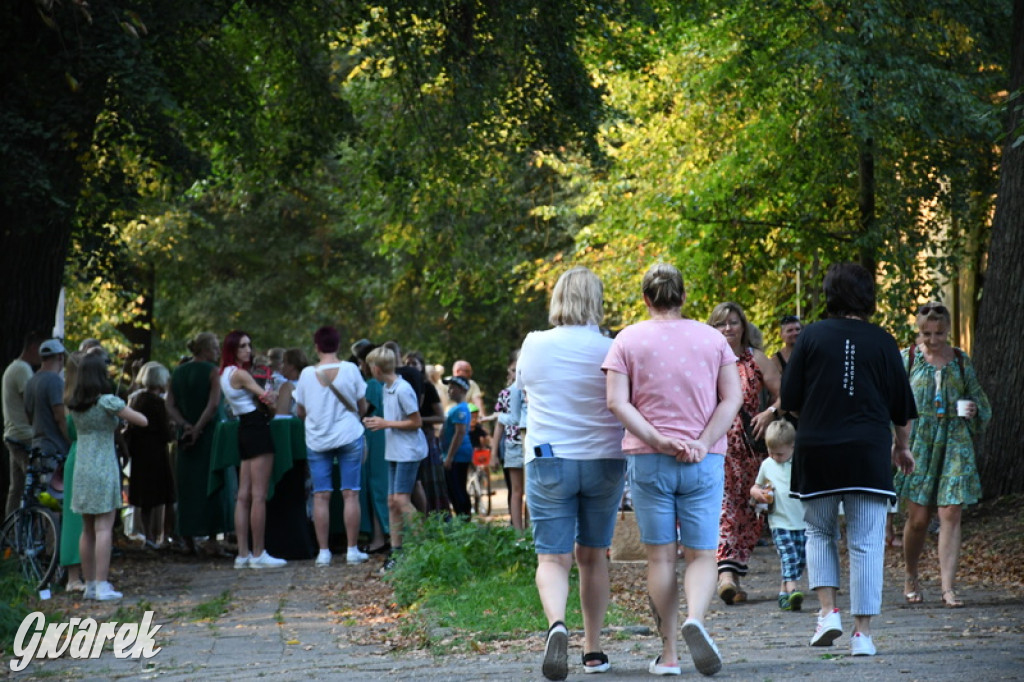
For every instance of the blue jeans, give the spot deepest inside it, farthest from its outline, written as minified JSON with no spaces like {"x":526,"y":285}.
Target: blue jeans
{"x":573,"y":500}
{"x":665,"y":491}
{"x":350,"y":461}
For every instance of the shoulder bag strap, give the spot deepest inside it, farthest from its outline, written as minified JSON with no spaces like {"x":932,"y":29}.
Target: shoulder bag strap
{"x":337,"y":394}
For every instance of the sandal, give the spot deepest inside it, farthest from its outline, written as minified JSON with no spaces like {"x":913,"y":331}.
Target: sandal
{"x":950,"y":601}
{"x":913,"y":595}
{"x":602,"y":666}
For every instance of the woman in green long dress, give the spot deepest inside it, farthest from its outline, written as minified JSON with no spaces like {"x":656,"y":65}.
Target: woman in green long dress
{"x":945,"y":476}
{"x":193,"y":403}
{"x":70,"y":522}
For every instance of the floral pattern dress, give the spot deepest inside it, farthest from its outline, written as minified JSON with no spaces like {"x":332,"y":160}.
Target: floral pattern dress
{"x":945,"y":472}
{"x":740,"y":526}
{"x":97,"y":488}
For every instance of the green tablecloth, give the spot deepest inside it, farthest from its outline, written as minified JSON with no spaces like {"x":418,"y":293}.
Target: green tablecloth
{"x":289,"y":446}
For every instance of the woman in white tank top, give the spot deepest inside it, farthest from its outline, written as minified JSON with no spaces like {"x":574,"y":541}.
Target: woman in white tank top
{"x":255,"y":448}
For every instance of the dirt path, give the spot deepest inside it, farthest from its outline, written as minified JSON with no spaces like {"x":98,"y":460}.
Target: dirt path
{"x":309,"y":623}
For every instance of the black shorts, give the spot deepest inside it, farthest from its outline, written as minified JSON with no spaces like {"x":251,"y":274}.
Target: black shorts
{"x":254,"y":435}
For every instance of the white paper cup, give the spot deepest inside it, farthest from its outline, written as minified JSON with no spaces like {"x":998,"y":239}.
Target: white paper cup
{"x":962,"y":406}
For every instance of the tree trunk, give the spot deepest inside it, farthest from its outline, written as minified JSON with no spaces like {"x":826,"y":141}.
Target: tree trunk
{"x":1000,"y":343}
{"x":866,"y":203}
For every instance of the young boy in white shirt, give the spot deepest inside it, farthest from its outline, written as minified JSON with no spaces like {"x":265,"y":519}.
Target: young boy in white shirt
{"x":786,"y":514}
{"x":405,"y":444}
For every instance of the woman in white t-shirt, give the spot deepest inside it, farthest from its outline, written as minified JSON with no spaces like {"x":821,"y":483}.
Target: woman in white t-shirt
{"x":673,"y":384}
{"x":575,"y":469}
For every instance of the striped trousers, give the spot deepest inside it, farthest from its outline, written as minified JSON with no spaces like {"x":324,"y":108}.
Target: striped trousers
{"x":865,"y":541}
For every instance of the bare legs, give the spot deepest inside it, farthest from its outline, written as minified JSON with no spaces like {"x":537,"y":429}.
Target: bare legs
{"x":95,"y":544}
{"x":698,"y":584}
{"x":399,"y":506}
{"x":251,"y":504}
{"x":914,"y":534}
{"x":552,"y":580}
{"x":515,"y":499}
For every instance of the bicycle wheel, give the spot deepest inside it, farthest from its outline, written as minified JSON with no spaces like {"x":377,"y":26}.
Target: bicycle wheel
{"x":7,"y":547}
{"x":37,"y":543}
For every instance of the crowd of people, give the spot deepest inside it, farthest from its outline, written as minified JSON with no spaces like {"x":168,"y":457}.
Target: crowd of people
{"x":709,"y":435}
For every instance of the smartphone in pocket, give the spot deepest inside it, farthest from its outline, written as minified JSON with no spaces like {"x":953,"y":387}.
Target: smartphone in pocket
{"x":543,"y":451}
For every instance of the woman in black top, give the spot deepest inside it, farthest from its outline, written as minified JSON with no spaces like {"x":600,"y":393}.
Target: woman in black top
{"x":846,"y":380}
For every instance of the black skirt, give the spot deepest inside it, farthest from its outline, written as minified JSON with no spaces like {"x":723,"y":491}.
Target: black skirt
{"x":254,"y":435}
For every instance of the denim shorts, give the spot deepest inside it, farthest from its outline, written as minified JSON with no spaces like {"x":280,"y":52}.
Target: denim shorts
{"x":402,"y":477}
{"x":350,"y":461}
{"x":665,"y":491}
{"x":573,"y":501}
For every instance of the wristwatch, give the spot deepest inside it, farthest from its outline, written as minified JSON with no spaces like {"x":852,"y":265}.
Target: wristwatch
{"x":774,"y":410}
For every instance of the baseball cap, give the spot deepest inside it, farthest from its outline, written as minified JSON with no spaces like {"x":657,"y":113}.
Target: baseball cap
{"x":51,"y":347}
{"x":458,"y":381}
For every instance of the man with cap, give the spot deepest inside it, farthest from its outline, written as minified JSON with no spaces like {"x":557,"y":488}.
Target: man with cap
{"x":17,"y":427}
{"x":44,"y":402}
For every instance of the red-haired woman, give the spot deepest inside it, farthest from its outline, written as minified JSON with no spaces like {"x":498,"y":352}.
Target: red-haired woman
{"x":255,"y":448}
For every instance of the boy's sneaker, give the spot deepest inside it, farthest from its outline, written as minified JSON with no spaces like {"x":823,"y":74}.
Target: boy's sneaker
{"x":104,"y":591}
{"x":266,"y":561}
{"x":705,"y":654}
{"x":324,"y":558}
{"x":354,"y":556}
{"x":784,"y":602}
{"x":830,"y":626}
{"x":861,"y":645}
{"x":243,"y":561}
{"x":389,"y":564}
{"x":796,"y":600}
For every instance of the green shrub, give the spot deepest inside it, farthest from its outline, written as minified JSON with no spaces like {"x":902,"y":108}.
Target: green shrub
{"x":441,"y":555}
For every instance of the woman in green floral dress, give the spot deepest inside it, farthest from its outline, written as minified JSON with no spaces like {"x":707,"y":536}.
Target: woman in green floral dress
{"x":945,"y":476}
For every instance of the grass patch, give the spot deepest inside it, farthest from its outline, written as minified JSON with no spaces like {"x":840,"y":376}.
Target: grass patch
{"x":478,"y":578}
{"x":17,"y":600}
{"x":132,"y":613}
{"x":213,"y":609}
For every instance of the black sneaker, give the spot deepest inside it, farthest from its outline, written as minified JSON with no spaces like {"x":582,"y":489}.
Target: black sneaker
{"x":389,"y":564}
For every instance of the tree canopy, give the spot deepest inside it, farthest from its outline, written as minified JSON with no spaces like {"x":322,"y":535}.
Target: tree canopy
{"x":423,"y":170}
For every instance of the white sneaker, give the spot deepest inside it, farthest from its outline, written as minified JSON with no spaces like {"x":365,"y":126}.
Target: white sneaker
{"x":830,"y":626}
{"x":266,"y":561}
{"x":104,"y":591}
{"x":354,"y":556}
{"x":705,"y":654}
{"x":90,"y":590}
{"x":243,"y":561}
{"x":324,"y":558}
{"x":861,"y":645}
{"x":656,"y":668}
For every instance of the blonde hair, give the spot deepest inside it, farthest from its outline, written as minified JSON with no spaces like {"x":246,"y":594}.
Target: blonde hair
{"x":779,"y":433}
{"x":663,"y":287}
{"x":721,"y":312}
{"x":383,"y":358}
{"x":153,"y":375}
{"x":203,"y":341}
{"x":577,"y":299}
{"x":934,"y":312}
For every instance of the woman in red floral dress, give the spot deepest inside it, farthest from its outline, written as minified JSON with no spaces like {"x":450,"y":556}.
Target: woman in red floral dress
{"x":740,"y":525}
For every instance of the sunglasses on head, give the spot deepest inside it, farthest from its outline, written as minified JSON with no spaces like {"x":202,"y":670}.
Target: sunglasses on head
{"x":930,"y":307}
{"x":789,"y":319}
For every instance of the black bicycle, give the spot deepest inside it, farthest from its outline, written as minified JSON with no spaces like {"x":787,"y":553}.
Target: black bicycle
{"x":31,"y":533}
